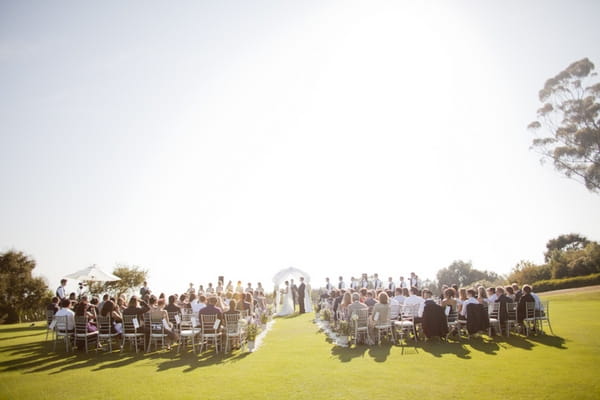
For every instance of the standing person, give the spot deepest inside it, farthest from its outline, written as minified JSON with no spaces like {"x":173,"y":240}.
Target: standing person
{"x":414,"y":282}
{"x":61,"y":291}
{"x":341,"y":284}
{"x":376,"y":282}
{"x":390,"y":285}
{"x":328,"y":285}
{"x":301,"y":295}
{"x":294,"y":289}
{"x":144,"y":289}
{"x":402,"y":283}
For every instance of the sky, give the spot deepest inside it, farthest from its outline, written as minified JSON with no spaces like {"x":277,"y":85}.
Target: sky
{"x":198,"y":139}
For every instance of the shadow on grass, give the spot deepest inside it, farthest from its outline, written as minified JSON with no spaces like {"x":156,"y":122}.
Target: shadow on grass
{"x":36,"y":357}
{"x":440,"y":349}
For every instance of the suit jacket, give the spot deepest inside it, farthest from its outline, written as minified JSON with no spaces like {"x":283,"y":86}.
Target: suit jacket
{"x":301,"y":290}
{"x":434,"y":320}
{"x":477,"y":318}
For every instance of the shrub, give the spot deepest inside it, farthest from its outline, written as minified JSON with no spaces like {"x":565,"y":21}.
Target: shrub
{"x":566,"y":283}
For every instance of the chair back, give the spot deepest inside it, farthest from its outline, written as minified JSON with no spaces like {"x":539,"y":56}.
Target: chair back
{"x":232,"y":325}
{"x":511,"y":311}
{"x":104,"y":325}
{"x":395,"y":311}
{"x":207,"y":322}
{"x":81,"y":322}
{"x":410,"y":311}
{"x":128,"y":325}
{"x":530,"y":310}
{"x":494,"y":310}
{"x":61,"y":323}
{"x":49,"y":316}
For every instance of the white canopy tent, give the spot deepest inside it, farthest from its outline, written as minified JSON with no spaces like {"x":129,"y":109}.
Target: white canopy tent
{"x":287,"y":274}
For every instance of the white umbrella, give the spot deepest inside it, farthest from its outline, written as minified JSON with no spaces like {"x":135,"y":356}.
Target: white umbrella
{"x":93,"y":273}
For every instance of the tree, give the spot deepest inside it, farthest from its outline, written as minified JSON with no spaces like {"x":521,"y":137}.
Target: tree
{"x":131,"y":277}
{"x":528,"y":272}
{"x":463,"y":274}
{"x":572,"y":241}
{"x":570,"y":113}
{"x":21,"y":295}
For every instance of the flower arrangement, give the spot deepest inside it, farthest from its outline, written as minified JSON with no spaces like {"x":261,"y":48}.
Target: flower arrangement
{"x":326,"y":315}
{"x":344,"y":328}
{"x":264,"y":318}
{"x":252,"y":332}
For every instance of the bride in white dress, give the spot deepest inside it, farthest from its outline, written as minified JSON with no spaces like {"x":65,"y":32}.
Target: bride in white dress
{"x":287,"y":308}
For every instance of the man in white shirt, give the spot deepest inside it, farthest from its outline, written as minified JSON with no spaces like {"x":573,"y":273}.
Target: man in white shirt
{"x":341,"y":284}
{"x":398,"y":298}
{"x":61,"y":291}
{"x":391,"y":285}
{"x":328,"y":285}
{"x":376,"y":282}
{"x":65,"y":310}
{"x":354,"y":283}
{"x":401,"y":283}
{"x":198,"y":304}
{"x":415,"y":299}
{"x":471,"y":293}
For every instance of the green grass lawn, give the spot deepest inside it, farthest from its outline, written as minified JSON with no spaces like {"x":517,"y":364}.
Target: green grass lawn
{"x":297,"y":362}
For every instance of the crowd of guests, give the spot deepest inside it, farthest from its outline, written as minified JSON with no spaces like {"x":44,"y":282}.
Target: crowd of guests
{"x":378,"y":296}
{"x":212,"y":301}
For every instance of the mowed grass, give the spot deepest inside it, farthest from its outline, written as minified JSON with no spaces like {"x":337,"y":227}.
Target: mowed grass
{"x":296,"y":361}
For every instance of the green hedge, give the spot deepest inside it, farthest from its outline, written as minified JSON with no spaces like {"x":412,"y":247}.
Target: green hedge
{"x":566,"y":283}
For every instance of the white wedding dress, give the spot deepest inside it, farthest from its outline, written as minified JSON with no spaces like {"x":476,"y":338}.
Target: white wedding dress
{"x":307,"y":300}
{"x":287,"y":308}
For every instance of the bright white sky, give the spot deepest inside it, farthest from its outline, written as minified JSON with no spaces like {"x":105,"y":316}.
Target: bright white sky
{"x":238,"y":138}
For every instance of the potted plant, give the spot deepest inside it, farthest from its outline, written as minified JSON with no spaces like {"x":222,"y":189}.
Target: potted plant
{"x":344,"y":331}
{"x":251,"y":333}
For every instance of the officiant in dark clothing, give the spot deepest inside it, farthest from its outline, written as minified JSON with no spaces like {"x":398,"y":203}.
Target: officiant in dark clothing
{"x":301,"y":293}
{"x":294,"y":293}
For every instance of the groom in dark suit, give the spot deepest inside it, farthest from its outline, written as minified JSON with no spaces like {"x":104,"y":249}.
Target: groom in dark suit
{"x":301,"y":292}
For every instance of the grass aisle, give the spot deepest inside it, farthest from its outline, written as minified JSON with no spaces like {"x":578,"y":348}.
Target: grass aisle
{"x":297,"y":362}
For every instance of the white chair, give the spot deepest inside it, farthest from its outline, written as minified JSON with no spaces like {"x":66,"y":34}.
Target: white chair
{"x":511,"y":317}
{"x":211,"y":332}
{"x":49,"y":319}
{"x":494,"y":318}
{"x":453,"y":323}
{"x":233,"y":331}
{"x":106,"y":332}
{"x":360,"y":326}
{"x":132,"y":332}
{"x":529,"y":321}
{"x":407,"y":324}
{"x":188,"y":331}
{"x":157,"y":332}
{"x":543,"y":315}
{"x":383,"y":326}
{"x":61,"y":332}
{"x":81,"y":332}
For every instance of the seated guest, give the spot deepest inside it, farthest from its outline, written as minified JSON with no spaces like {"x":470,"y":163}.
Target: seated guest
{"x":415,"y":299}
{"x":510,"y":293}
{"x":105,"y":298}
{"x":518,"y":292}
{"x":527,"y":297}
{"x":158,"y":313}
{"x":197,"y":303}
{"x":344,"y":303}
{"x":491,"y":294}
{"x":53,"y":306}
{"x":449,"y":300}
{"x":356,"y":305}
{"x":503,"y":299}
{"x":370,"y":300}
{"x":82,"y":310}
{"x":212,"y":309}
{"x":434,"y":319}
{"x":65,"y":310}
{"x":482,"y":296}
{"x":110,"y":309}
{"x":232,"y":308}
{"x":249,"y":303}
{"x":172,"y":307}
{"x":471,"y":299}
{"x":121,"y":303}
{"x":398,"y":298}
{"x":381,"y":309}
{"x":137,"y":307}
{"x":363,"y":294}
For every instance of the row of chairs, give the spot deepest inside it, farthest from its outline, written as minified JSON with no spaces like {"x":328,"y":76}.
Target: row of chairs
{"x":402,"y":322}
{"x":199,"y":333}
